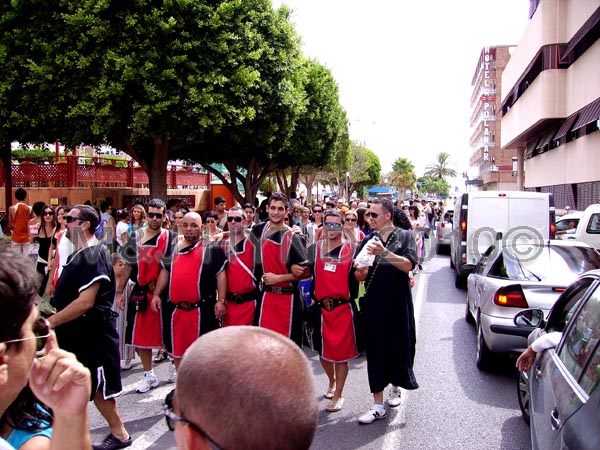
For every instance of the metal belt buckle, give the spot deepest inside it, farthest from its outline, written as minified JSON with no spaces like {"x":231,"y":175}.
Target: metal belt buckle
{"x":328,"y":303}
{"x":276,"y":290}
{"x":185,"y":306}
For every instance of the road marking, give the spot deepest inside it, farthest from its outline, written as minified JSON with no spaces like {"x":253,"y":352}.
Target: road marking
{"x":390,"y":440}
{"x":151,"y":436}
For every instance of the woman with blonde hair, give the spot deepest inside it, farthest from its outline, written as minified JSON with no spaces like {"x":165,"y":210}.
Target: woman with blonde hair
{"x":351,"y":230}
{"x":138,"y":218}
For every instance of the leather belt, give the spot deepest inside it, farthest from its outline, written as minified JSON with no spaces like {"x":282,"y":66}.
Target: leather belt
{"x":329,"y":303}
{"x":242,"y":298}
{"x":279,"y":290}
{"x":187,"y":306}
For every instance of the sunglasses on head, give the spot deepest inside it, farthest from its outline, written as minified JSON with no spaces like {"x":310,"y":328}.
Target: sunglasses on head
{"x":237,"y":219}
{"x":171,"y":418}
{"x":41,"y":330}
{"x":157,"y":215}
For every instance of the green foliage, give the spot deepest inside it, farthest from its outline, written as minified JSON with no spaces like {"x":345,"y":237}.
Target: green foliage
{"x":403,"y":174}
{"x":434,"y":185}
{"x":441,"y":168}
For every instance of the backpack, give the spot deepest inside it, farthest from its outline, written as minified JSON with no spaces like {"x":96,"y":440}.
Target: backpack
{"x":99,"y":232}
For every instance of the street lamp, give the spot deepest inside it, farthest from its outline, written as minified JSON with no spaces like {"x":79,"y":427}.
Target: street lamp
{"x":348,"y":187}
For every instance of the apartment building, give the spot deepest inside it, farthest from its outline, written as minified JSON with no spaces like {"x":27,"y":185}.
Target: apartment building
{"x":494,"y":164}
{"x":550,"y":102}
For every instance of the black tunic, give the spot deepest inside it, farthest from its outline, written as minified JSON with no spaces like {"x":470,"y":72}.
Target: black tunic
{"x":389,"y":318}
{"x":92,"y":337}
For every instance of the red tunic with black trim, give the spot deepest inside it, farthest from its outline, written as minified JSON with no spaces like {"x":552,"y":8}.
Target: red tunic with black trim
{"x":144,"y":327}
{"x":239,"y":281}
{"x":193,"y":279}
{"x":278,"y":251}
{"x":335,"y":339}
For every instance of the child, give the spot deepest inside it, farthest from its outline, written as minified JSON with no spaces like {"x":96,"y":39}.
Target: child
{"x":120,"y":306}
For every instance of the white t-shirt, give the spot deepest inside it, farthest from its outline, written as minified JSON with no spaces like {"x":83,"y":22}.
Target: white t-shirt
{"x":122,"y":227}
{"x":5,"y":445}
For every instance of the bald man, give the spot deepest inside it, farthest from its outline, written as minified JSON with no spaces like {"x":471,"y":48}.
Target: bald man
{"x":196,"y":283}
{"x":245,"y":388}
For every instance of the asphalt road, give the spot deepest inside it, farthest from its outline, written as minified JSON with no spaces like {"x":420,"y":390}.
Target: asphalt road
{"x":456,"y":406}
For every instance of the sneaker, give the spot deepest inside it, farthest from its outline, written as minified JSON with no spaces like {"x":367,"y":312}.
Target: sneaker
{"x":148,"y":382}
{"x":171,"y":372}
{"x":126,"y":364}
{"x":375,"y":413}
{"x":111,"y":443}
{"x":394,"y":400}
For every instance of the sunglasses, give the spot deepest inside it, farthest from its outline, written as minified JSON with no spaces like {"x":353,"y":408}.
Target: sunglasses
{"x":48,"y":213}
{"x":171,"y":418}
{"x":41,"y":330}
{"x":372,"y":215}
{"x":155,"y":215}
{"x":231,"y":219}
{"x":210,"y":221}
{"x":332,"y":225}
{"x":317,"y":210}
{"x":71,"y":219}
{"x":350,"y":219}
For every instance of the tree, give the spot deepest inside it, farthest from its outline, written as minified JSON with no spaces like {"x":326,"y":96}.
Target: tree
{"x":319,"y":135}
{"x":403,"y":174}
{"x":434,"y":185}
{"x":152,"y":79}
{"x":441,"y":168}
{"x":365,"y":170}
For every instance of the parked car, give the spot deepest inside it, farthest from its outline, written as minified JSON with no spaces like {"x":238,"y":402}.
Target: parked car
{"x":510,"y":278}
{"x":567,"y":222}
{"x":443,"y":230}
{"x":559,"y":396}
{"x":588,"y":228}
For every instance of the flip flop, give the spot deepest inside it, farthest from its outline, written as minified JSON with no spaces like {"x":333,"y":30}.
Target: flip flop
{"x":335,"y":405}
{"x":329,"y":393}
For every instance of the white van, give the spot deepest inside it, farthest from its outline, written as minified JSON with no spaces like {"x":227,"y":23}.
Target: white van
{"x":588,"y":228}
{"x":482,"y":217}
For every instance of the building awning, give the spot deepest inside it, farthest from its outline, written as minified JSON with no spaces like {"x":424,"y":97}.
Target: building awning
{"x":545,"y":140}
{"x":566,"y":126}
{"x":588,"y":32}
{"x":530,"y":148}
{"x":588,"y":114}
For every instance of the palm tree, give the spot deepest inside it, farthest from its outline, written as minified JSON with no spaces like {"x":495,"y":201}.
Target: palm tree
{"x":403,"y":174}
{"x":440,"y":169}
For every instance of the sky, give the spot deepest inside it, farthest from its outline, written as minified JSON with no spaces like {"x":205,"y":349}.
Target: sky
{"x":404,"y":68}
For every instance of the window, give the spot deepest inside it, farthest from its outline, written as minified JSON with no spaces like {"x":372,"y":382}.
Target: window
{"x":593,"y":226}
{"x":570,"y":299}
{"x":581,"y":341}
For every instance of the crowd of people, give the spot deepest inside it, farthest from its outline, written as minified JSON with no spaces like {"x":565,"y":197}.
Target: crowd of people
{"x":169,"y":283}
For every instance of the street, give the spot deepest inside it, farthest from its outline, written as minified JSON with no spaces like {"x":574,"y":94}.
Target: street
{"x":456,"y":406}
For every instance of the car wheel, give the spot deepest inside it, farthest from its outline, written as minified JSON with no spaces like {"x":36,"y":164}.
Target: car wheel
{"x":523,"y":395}
{"x":468,"y":316}
{"x":460,"y":282}
{"x":484,"y":354}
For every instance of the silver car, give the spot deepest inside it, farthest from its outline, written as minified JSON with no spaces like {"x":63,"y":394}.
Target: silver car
{"x":443,"y":229}
{"x":559,"y":396}
{"x":511,"y":278}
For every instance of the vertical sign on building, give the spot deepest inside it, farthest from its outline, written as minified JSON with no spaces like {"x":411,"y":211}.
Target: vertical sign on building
{"x":488,"y":99}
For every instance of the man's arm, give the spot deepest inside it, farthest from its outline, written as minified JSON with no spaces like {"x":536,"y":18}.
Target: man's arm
{"x":77,"y":308}
{"x":11,"y":215}
{"x":161,"y":285}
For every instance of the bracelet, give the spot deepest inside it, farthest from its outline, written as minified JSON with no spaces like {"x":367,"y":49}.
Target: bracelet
{"x":120,"y":292}
{"x":384,"y":253}
{"x":224,"y":302}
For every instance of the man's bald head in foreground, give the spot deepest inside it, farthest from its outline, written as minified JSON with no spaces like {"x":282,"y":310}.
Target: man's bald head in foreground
{"x":248,"y":388}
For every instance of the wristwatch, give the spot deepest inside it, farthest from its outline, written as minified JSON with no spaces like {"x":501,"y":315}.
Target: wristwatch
{"x":385,"y":252}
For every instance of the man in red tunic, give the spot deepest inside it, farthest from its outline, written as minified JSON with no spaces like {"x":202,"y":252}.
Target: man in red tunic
{"x":280,"y":263}
{"x":144,"y":251}
{"x":241,"y":286}
{"x":196,"y":282}
{"x":334,"y":289}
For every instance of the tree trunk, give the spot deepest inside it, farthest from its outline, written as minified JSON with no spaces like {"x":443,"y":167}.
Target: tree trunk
{"x":5,"y":152}
{"x":156,"y":168}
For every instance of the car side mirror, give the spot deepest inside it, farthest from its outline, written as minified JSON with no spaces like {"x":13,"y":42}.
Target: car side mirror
{"x":529,"y":318}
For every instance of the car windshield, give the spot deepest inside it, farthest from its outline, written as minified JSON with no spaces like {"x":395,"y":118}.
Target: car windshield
{"x":553,"y":263}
